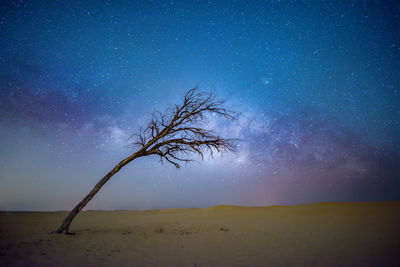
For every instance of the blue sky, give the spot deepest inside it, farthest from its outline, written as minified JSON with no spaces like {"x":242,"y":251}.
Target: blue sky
{"x":316,"y":84}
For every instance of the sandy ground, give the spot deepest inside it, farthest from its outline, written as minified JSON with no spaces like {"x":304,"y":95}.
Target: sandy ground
{"x":323,"y":234}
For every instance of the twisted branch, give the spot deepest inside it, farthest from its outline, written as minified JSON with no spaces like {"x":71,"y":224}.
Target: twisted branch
{"x":176,"y":135}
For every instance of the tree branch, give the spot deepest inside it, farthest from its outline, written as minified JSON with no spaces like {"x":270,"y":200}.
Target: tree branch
{"x":180,"y":130}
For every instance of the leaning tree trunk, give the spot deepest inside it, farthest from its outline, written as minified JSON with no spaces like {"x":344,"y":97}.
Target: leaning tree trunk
{"x":64,"y":227}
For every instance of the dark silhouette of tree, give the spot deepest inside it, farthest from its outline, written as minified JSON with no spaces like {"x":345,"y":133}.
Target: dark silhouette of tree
{"x":174,"y":136}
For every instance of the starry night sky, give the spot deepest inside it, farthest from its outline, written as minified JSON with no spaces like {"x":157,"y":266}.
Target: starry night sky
{"x":316,"y":85}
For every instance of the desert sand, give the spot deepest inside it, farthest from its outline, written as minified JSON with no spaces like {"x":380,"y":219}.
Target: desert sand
{"x":322,"y":234}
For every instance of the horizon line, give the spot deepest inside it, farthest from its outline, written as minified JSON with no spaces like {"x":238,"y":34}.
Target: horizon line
{"x":208,"y":207}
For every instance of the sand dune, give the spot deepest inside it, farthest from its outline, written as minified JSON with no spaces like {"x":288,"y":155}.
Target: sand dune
{"x":321,"y":234}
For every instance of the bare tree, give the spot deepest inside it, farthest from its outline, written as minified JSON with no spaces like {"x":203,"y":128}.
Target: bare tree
{"x":174,"y":136}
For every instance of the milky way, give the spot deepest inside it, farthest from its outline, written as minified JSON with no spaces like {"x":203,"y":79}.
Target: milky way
{"x":316,"y":86}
